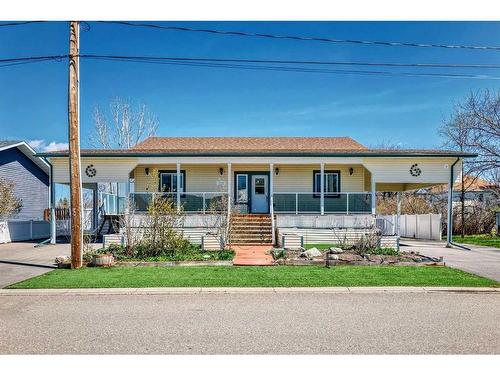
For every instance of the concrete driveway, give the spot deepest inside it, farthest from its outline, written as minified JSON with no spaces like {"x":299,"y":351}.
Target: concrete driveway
{"x":22,"y":260}
{"x":480,"y":260}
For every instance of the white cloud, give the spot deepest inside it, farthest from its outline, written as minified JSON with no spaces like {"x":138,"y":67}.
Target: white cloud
{"x":36,"y":144}
{"x":41,"y":146}
{"x":55,"y":146}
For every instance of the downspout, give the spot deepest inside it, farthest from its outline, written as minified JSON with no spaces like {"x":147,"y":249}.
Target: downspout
{"x":449,"y":234}
{"x":52,"y":199}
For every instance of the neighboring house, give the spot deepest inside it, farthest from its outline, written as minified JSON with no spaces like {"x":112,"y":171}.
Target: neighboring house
{"x":477,"y":191}
{"x":18,"y":163}
{"x":311,"y":188}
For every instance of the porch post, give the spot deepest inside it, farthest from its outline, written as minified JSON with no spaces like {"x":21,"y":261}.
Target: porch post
{"x":271,"y":198}
{"x":398,"y":216}
{"x":322,"y":188}
{"x":178,"y":187}
{"x":228,"y":192}
{"x":374,"y":195}
{"x":52,"y":205}
{"x":449,"y":224}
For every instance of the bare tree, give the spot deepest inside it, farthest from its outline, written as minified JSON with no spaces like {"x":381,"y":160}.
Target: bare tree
{"x":475,"y":127}
{"x":123,"y":125}
{"x":10,"y":204}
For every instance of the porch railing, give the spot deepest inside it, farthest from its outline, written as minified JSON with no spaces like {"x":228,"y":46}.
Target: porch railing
{"x":199,"y":202}
{"x":338,"y":203}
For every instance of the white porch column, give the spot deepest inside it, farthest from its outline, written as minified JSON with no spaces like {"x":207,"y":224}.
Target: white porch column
{"x":322,"y":188}
{"x":374,"y":195}
{"x":398,"y":216}
{"x":449,"y":223}
{"x":271,"y":198}
{"x":178,"y":187}
{"x":229,"y":190}
{"x":52,"y":205}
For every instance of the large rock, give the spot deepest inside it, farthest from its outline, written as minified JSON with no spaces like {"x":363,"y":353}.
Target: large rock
{"x":333,"y":257}
{"x":350,"y":257}
{"x":336,"y":250}
{"x":312,"y":253}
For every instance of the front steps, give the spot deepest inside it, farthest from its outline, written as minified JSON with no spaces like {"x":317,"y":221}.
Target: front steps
{"x":251,"y":230}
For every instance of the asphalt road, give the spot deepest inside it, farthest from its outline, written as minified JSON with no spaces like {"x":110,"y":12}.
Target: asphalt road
{"x":252,"y":323}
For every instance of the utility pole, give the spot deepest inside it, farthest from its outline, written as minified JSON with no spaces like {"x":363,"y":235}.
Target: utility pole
{"x":74,"y":145}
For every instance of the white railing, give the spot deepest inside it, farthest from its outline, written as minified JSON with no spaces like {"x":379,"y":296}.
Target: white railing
{"x":200,"y":202}
{"x":310,"y":202}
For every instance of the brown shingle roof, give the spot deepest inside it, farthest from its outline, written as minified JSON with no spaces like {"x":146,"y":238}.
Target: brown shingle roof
{"x":255,"y":146}
{"x":247,"y":144}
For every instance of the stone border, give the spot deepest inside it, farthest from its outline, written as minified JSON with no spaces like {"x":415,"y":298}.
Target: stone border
{"x":175,"y":263}
{"x":242,"y":290}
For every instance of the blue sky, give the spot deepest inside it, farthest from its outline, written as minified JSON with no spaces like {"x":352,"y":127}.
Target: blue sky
{"x":195,"y":101}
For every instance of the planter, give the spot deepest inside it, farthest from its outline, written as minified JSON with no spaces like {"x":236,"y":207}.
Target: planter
{"x":103,"y":260}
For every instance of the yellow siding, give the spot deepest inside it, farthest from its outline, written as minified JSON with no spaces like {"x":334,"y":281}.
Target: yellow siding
{"x":291,"y":178}
{"x":299,"y":178}
{"x":199,"y":178}
{"x":107,"y":170}
{"x":397,"y":170}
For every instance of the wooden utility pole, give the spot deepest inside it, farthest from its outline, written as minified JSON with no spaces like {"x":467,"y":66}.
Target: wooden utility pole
{"x":74,"y":145}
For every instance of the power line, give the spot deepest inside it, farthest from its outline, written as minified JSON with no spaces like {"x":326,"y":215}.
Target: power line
{"x":19,"y":23}
{"x":246,"y":65}
{"x":305,"y":38}
{"x":298,"y":62}
{"x":296,"y":69}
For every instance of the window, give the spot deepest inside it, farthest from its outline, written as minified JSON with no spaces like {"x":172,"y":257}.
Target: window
{"x":332,"y":183}
{"x":168,"y":181}
{"x":260,"y":186}
{"x":242,"y":188}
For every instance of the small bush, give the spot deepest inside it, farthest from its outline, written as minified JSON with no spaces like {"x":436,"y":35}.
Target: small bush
{"x":383,"y":251}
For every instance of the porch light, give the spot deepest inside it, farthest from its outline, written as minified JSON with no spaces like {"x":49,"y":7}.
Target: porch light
{"x":221,"y":171}
{"x":147,"y":171}
{"x":276,"y":171}
{"x":351,"y":171}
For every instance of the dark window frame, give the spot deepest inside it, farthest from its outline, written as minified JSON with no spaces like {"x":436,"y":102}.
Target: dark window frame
{"x":316,"y":187}
{"x":183,"y":174}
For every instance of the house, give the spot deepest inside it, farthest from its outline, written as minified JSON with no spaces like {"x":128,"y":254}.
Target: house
{"x":303,"y":189}
{"x":30,"y":174}
{"x":477,"y":191}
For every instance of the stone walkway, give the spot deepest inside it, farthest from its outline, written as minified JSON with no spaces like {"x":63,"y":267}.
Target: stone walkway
{"x":252,"y":255}
{"x":480,"y":260}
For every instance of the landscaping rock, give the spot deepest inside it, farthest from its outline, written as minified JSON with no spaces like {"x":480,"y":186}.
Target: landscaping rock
{"x":301,"y":249}
{"x":312,"y":252}
{"x":62,"y":259}
{"x":350,"y":257}
{"x":333,"y":257}
{"x":374,"y":258}
{"x":336,"y":250}
{"x":391,"y":259}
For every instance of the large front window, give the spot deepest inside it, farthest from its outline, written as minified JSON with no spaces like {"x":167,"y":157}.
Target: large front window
{"x":331,"y":183}
{"x":168,"y":182}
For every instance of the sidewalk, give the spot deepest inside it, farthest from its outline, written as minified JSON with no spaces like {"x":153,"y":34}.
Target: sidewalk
{"x":323,"y":290}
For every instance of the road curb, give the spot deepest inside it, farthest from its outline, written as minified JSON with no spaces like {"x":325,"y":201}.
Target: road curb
{"x":242,"y":290}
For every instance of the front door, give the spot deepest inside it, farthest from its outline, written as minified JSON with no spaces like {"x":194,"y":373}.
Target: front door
{"x":260,"y":193}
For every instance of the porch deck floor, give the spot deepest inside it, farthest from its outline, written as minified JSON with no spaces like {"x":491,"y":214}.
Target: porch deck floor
{"x":252,"y":255}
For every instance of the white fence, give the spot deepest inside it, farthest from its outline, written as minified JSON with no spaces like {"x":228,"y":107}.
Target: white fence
{"x":425,"y":227}
{"x":23,"y":230}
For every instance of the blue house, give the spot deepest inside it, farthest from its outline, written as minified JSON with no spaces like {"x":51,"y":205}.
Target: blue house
{"x":30,"y":173}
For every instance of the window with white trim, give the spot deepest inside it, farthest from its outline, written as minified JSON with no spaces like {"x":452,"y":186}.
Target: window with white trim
{"x":331,"y":183}
{"x":168,"y":182}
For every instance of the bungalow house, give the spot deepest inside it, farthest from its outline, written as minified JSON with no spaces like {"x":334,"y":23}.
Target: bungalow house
{"x":30,"y":175}
{"x":305,"y":189}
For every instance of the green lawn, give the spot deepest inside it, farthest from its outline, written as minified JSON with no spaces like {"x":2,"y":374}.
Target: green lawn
{"x":226,"y":276}
{"x":319,"y":246}
{"x":479,"y":239}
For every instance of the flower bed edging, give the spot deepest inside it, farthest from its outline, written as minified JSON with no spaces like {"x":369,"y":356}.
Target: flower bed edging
{"x":176,"y":263}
